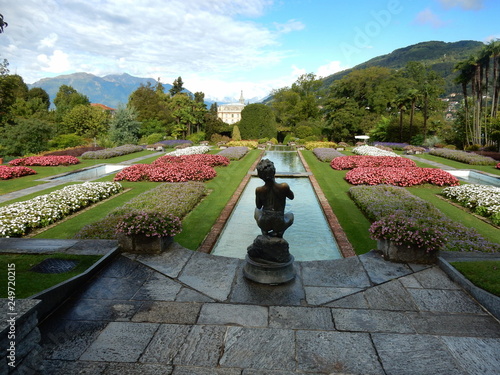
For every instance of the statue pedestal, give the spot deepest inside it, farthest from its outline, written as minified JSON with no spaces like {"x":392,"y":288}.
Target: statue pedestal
{"x":271,"y":273}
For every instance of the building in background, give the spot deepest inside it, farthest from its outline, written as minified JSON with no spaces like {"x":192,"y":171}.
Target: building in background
{"x":231,"y":113}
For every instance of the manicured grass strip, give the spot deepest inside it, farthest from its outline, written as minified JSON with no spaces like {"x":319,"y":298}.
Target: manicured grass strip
{"x":335,"y":188}
{"x":28,"y":283}
{"x":198,"y":223}
{"x":68,"y":228}
{"x":456,"y":213}
{"x":483,"y":274}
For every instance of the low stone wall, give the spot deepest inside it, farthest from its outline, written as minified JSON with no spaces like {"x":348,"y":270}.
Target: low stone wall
{"x":20,"y":337}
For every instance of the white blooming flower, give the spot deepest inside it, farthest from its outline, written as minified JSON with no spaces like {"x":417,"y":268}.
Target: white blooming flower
{"x":190,"y":151}
{"x":372,"y":151}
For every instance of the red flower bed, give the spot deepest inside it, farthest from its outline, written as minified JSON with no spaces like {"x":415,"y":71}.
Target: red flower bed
{"x":14,"y":172}
{"x":498,"y":166}
{"x":400,"y":176}
{"x":174,"y":169}
{"x":355,"y":161}
{"x":208,"y":159}
{"x":45,"y":161}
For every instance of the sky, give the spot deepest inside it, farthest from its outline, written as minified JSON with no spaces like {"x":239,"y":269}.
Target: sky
{"x":223,"y":47}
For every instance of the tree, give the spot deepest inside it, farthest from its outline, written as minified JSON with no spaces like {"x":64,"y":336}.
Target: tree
{"x":3,"y":24}
{"x":177,"y":87}
{"x":86,"y":121}
{"x":235,"y":133}
{"x":257,"y":121}
{"x":26,"y":136}
{"x":342,"y":117}
{"x":66,"y":99}
{"x":124,"y":127}
{"x":12,"y":88}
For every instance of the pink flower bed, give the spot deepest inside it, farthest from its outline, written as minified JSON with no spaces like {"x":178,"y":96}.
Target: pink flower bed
{"x":45,"y":161}
{"x":355,"y":161}
{"x":198,"y":167}
{"x":498,"y":166}
{"x":14,"y":172}
{"x":400,"y":176}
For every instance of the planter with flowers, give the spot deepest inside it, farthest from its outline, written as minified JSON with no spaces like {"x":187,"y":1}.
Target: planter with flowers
{"x":406,"y":239}
{"x":143,"y":232}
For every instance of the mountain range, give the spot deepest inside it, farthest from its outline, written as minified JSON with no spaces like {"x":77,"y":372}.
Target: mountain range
{"x":115,"y":89}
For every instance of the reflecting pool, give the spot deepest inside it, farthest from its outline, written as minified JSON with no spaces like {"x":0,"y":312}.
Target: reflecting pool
{"x":475,"y":177}
{"x":310,"y":236}
{"x":89,"y":174}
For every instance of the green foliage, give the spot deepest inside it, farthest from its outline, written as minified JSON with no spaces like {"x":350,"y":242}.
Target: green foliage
{"x":177,"y":87}
{"x":66,"y":99}
{"x":235,"y":134}
{"x":257,"y":121}
{"x":27,"y":136}
{"x":124,"y":127}
{"x":196,"y":137}
{"x":152,"y":108}
{"x":151,"y":139}
{"x":66,"y":140}
{"x":87,"y":121}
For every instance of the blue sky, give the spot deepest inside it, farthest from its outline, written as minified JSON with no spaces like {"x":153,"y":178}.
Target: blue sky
{"x":225,"y":46}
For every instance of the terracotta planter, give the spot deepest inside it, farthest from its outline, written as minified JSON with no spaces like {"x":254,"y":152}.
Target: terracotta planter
{"x":405,"y":254}
{"x":141,"y":244}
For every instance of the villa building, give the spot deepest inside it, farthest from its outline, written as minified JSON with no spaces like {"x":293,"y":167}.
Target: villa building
{"x":231,"y":113}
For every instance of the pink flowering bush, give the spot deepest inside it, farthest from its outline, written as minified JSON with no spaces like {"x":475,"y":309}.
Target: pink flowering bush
{"x":498,"y":166}
{"x":196,"y":167}
{"x":408,"y":231}
{"x":354,"y":161}
{"x":150,"y":224}
{"x":14,"y":172}
{"x":400,"y":176}
{"x":45,"y":161}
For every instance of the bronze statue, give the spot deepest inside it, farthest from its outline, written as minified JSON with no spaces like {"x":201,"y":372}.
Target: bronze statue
{"x":270,"y":201}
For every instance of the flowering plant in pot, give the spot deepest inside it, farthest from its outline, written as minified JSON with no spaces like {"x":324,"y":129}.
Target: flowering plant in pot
{"x":406,"y":238}
{"x":147,"y":232}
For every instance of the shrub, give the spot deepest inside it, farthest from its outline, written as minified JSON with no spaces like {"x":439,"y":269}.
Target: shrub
{"x":391,"y":145}
{"x":234,"y":153}
{"x":383,"y":200}
{"x":7,"y":173}
{"x":398,"y":176}
{"x":250,"y":144}
{"x":112,"y":152}
{"x":313,"y":145}
{"x":150,"y":224}
{"x":355,"y":161}
{"x":326,"y":154}
{"x":46,"y":161}
{"x":462,"y":156}
{"x":67,"y":141}
{"x":76,"y":151}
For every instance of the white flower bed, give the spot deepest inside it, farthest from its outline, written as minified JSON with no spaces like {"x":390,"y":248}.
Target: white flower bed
{"x":482,"y":199}
{"x":189,"y":151}
{"x":372,"y":151}
{"x":17,"y":218}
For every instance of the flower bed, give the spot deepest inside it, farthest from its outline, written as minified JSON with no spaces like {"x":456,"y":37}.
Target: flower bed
{"x":149,"y":224}
{"x":382,"y":201}
{"x":171,"y":143}
{"x":392,"y":145}
{"x":355,"y":161}
{"x":73,"y":151}
{"x":45,"y":161}
{"x":17,"y":219}
{"x":484,"y":200}
{"x":234,"y":152}
{"x":191,"y":150}
{"x":14,"y":172}
{"x":170,"y":168}
{"x":250,"y":144}
{"x":326,"y":154}
{"x":498,"y":166}
{"x":112,"y":152}
{"x":410,"y":176}
{"x":176,"y":199}
{"x":372,"y":151}
{"x":463,"y":156}
{"x":313,"y":145}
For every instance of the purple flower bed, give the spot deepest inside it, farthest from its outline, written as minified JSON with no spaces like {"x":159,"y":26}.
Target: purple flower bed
{"x":326,"y":154}
{"x":380,"y":201}
{"x":176,"y":199}
{"x":171,"y":143}
{"x":112,"y":152}
{"x":463,"y":156}
{"x":234,"y":153}
{"x":392,"y":145}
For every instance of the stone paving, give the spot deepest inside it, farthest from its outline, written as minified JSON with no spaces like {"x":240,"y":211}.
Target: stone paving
{"x":184,"y":312}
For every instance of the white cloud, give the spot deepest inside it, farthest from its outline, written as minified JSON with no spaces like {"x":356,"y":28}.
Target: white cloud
{"x":464,"y":4}
{"x":289,"y":26}
{"x":427,"y":17}
{"x":330,"y":68}
{"x":58,"y":62}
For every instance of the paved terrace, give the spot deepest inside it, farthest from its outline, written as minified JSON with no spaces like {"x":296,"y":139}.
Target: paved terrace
{"x":190,"y":313}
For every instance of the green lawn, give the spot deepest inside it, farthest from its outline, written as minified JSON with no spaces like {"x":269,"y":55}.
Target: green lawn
{"x":28,"y":282}
{"x":484,"y":274}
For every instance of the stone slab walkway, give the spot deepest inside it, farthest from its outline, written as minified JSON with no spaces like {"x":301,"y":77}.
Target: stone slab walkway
{"x":185,"y":312}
